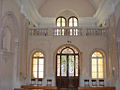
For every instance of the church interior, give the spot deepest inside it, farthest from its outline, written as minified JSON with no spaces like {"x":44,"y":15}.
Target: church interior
{"x":59,"y":44}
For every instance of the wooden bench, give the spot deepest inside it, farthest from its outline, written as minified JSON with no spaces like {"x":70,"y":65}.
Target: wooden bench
{"x":19,"y":89}
{"x":38,"y":87}
{"x":96,"y":88}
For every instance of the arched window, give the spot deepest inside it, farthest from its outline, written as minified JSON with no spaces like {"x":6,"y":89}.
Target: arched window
{"x":73,"y":22}
{"x":61,"y":22}
{"x":97,"y":65}
{"x":67,"y":67}
{"x":38,"y":65}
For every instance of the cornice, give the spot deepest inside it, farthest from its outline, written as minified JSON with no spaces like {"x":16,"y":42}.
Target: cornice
{"x":105,"y":10}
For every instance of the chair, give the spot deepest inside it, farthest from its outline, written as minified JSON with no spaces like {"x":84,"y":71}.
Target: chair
{"x":94,"y":83}
{"x":49,"y":82}
{"x":39,"y":81}
{"x":86,"y":83}
{"x":33,"y":81}
{"x":101,"y":82}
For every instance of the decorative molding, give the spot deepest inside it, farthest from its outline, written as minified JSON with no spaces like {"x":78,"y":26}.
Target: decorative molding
{"x":5,"y":54}
{"x":107,"y":7}
{"x":81,"y":28}
{"x":32,"y":14}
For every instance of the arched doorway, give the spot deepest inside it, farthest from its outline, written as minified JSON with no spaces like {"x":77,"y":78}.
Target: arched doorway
{"x":67,"y":67}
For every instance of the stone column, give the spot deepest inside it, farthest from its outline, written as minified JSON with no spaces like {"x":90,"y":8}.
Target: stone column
{"x":1,"y":2}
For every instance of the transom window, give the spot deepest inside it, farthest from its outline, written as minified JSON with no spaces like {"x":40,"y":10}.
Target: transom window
{"x":97,"y":65}
{"x":38,"y":65}
{"x":67,"y":62}
{"x":63,"y":22}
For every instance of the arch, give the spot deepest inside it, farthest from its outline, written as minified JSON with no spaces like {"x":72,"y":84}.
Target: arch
{"x":67,"y":13}
{"x":60,"y":22}
{"x":73,"y":22}
{"x":65,"y":45}
{"x":67,"y":65}
{"x":73,"y":17}
{"x":6,"y":41}
{"x":9,"y":21}
{"x":98,"y":62}
{"x":38,"y":64}
{"x":30,"y":55}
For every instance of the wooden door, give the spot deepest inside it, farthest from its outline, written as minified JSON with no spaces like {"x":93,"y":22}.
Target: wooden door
{"x":67,"y":70}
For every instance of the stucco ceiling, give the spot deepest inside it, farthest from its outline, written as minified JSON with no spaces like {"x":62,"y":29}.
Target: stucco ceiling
{"x":36,"y":10}
{"x":95,"y":3}
{"x":39,"y":3}
{"x":84,"y":8}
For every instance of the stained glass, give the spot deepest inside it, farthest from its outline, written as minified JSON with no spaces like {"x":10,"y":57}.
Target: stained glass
{"x":63,"y":66}
{"x":58,"y":65}
{"x":75,"y":22}
{"x":41,"y":67}
{"x":63,"y":22}
{"x":63,"y":32}
{"x":41,"y":61}
{"x":35,"y":74}
{"x":38,"y":54}
{"x":34,"y":61}
{"x":67,"y":50}
{"x":97,"y":65}
{"x":97,"y":54}
{"x":41,"y":74}
{"x":76,"y":66}
{"x":34,"y":67}
{"x":71,"y":32}
{"x":58,"y":22}
{"x":71,"y":65}
{"x":38,"y":65}
{"x":69,"y":61}
{"x":70,"y":22}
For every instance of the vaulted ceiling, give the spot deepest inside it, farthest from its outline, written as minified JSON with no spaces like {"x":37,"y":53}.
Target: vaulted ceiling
{"x":84,"y":8}
{"x":95,"y":3}
{"x":37,"y":11}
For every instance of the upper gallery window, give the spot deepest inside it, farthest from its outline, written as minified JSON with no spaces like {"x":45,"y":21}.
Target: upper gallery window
{"x":73,"y":22}
{"x":38,"y":65}
{"x":62,"y":22}
{"x":97,"y":65}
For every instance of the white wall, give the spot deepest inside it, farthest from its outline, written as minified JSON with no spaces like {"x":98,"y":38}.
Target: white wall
{"x":48,"y":45}
{"x":83,"y":8}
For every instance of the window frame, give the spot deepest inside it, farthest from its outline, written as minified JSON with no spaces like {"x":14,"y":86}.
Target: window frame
{"x":61,"y":34}
{"x":60,"y":54}
{"x":103,"y":58}
{"x":67,"y":32}
{"x":74,"y":31}
{"x":38,"y":65}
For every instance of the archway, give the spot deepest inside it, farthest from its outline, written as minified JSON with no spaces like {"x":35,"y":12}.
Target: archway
{"x":67,"y":67}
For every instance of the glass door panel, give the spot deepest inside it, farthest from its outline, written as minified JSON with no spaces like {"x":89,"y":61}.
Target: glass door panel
{"x":71,"y":65}
{"x":58,"y":65}
{"x":76,"y":65}
{"x":63,"y":65}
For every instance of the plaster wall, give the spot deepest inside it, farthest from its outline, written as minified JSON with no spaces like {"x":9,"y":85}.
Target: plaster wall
{"x":83,"y":8}
{"x":48,"y":45}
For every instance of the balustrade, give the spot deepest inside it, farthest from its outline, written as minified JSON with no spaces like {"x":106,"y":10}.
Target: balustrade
{"x":67,"y":31}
